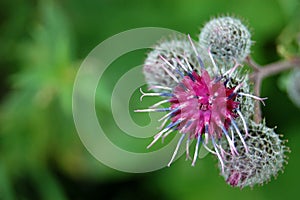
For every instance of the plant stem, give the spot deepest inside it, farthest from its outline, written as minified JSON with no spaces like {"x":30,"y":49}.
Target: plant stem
{"x":261,"y":72}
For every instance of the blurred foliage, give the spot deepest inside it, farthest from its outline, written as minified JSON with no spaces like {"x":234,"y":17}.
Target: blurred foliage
{"x":42,"y":45}
{"x":288,"y":42}
{"x":289,"y":39}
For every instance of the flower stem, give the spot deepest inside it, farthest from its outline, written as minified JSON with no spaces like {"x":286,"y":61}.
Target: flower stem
{"x":261,"y":72}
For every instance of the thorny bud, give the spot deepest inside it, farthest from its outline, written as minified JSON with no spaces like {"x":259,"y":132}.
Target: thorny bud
{"x":264,"y":159}
{"x":227,"y":38}
{"x":162,"y":62}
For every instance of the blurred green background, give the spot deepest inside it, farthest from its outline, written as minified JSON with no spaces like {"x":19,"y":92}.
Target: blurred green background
{"x":42,"y":44}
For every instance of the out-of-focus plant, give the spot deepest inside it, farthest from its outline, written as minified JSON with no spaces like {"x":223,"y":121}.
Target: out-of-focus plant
{"x":37,"y":130}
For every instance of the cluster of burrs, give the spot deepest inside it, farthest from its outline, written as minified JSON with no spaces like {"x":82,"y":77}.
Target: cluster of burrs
{"x":207,"y":97}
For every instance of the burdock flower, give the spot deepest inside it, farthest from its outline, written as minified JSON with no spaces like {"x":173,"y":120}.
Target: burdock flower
{"x":203,"y":105}
{"x":265,"y":157}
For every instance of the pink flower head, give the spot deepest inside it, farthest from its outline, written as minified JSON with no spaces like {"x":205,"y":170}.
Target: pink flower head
{"x":202,"y":107}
